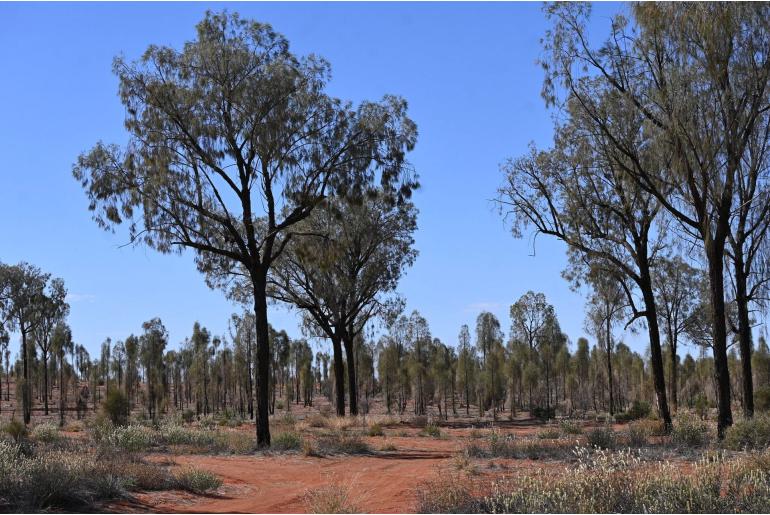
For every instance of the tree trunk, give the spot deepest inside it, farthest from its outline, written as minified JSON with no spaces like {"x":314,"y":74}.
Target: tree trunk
{"x":744,"y":335}
{"x":61,"y":389}
{"x":656,"y":354}
{"x":608,"y":343}
{"x":45,"y":383}
{"x":715,"y":253}
{"x":263,"y":362}
{"x":25,"y":394}
{"x":339,"y":375}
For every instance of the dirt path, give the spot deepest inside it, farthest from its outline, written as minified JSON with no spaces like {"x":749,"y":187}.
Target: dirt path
{"x":384,"y":483}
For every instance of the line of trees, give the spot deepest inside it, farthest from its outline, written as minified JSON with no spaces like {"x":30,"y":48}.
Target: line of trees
{"x":534,"y":368}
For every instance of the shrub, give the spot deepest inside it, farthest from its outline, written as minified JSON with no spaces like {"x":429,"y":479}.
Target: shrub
{"x":753,"y":433}
{"x":238,"y":442}
{"x":376,"y":430}
{"x":637,"y":434}
{"x":188,"y":416}
{"x":616,"y":483}
{"x":334,"y":498}
{"x":174,"y":434}
{"x":570,"y":427}
{"x":287,"y":419}
{"x":419,"y":421}
{"x":116,"y":407}
{"x":145,"y":476}
{"x":196,"y":480}
{"x":702,"y":406}
{"x":340,"y":443}
{"x":762,"y":398}
{"x":208,"y":423}
{"x":132,"y":438}
{"x":639,"y":409}
{"x":601,"y":438}
{"x":446,"y":494}
{"x":549,"y":433}
{"x":543,"y":413}
{"x":286,"y":441}
{"x":431,"y":430}
{"x":47,"y":432}
{"x":317,"y":420}
{"x":388,"y":447}
{"x":15,"y":429}
{"x":689,"y":431}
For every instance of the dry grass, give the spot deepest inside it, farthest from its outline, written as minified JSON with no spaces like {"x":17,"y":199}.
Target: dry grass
{"x":336,"y":497}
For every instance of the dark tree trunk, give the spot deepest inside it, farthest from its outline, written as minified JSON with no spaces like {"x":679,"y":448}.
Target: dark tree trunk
{"x":350,"y":356}
{"x":263,"y":362}
{"x":25,"y":394}
{"x":45,"y":383}
{"x":61,"y":389}
{"x":608,"y":344}
{"x":744,"y":335}
{"x":715,"y":252}
{"x":339,"y":376}
{"x":656,"y":354}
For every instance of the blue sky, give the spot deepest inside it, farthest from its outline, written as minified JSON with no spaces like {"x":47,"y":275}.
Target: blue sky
{"x":468,"y":71}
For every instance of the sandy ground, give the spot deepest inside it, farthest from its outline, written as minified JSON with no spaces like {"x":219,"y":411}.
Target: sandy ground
{"x":384,"y":482}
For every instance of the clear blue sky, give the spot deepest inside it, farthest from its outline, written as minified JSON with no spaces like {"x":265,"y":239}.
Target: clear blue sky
{"x":468,"y":71}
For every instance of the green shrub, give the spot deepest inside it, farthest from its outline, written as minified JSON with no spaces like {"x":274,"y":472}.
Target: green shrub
{"x":689,"y":431}
{"x":341,"y":443}
{"x":286,"y":441}
{"x":447,"y":494}
{"x":317,"y":420}
{"x":208,"y":422}
{"x":15,"y":429}
{"x":601,"y":438}
{"x":196,"y":480}
{"x":702,"y":406}
{"x":46,"y":432}
{"x":637,"y":434}
{"x":188,"y":416}
{"x":570,"y":427}
{"x":747,"y":434}
{"x":543,"y":413}
{"x":376,"y":430}
{"x":431,"y":430}
{"x":762,"y":398}
{"x":132,"y":438}
{"x":116,"y":407}
{"x":639,"y":409}
{"x":549,"y":433}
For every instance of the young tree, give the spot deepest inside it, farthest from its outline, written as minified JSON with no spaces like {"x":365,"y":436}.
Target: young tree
{"x":153,"y":344}
{"x":233,"y":123}
{"x":51,"y":311}
{"x":61,"y":343}
{"x":677,"y":286}
{"x":605,"y":309}
{"x":467,"y":363}
{"x":27,"y":295}
{"x":341,"y":276}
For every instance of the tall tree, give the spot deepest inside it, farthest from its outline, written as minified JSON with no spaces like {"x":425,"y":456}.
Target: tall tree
{"x":233,"y":123}
{"x":698,"y":76}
